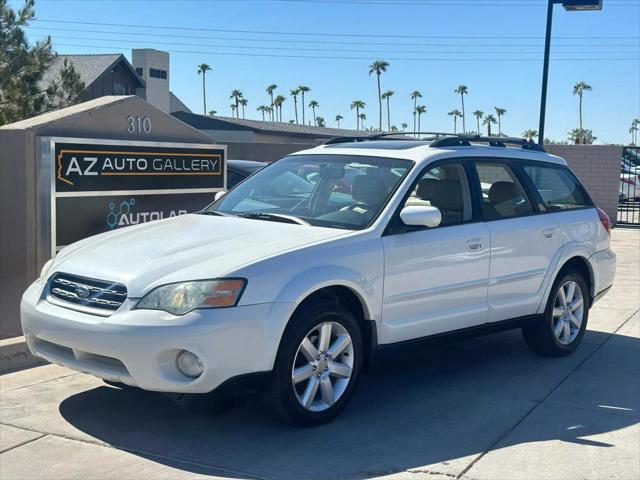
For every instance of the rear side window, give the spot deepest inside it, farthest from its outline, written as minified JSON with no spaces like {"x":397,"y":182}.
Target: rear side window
{"x":502,"y":194}
{"x":558,"y":188}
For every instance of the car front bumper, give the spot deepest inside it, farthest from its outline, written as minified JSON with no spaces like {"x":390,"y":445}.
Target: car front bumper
{"x":139,"y":347}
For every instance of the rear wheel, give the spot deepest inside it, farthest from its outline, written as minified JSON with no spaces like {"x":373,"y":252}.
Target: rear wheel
{"x":318,"y":365}
{"x":561,"y":329}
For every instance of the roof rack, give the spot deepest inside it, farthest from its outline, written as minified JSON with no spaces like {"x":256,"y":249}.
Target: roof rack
{"x":467,"y":140}
{"x":443,"y":139}
{"x":387,"y":136}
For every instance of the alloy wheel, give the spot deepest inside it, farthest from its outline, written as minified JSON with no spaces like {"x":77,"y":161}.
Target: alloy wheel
{"x":323,"y":366}
{"x":568,"y":312}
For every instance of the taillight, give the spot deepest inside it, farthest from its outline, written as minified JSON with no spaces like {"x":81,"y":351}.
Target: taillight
{"x":606,"y":221}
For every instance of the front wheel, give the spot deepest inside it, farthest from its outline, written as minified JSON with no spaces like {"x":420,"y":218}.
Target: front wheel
{"x":318,"y":365}
{"x":565,"y":318}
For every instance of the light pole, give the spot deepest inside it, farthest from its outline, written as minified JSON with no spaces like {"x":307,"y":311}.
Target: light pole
{"x":570,"y":6}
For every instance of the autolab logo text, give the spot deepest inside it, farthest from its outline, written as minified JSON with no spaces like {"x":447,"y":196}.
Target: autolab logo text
{"x":126,"y":214}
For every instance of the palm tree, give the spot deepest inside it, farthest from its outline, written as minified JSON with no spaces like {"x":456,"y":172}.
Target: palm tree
{"x":303,"y":89}
{"x":262,"y":109}
{"x":387,"y":95}
{"x":579,"y":89}
{"x":320,"y":121}
{"x":462,"y":90}
{"x":500,"y":112}
{"x":420,"y":109}
{"x":362,"y":118}
{"x":269,"y":110}
{"x":278,"y":101}
{"x":415,"y":95}
{"x":294,"y":93}
{"x":313,"y":104}
{"x":357,"y":104}
{"x":455,"y":114}
{"x":236,"y":95}
{"x":243,"y":102}
{"x":234,"y":107}
{"x":404,"y":126}
{"x":338,"y":118}
{"x":530,"y":134}
{"x":393,"y":128}
{"x":270,"y":89}
{"x":213,"y":112}
{"x":379,"y":67}
{"x":488,"y":120}
{"x":203,"y":68}
{"x":478,"y":114}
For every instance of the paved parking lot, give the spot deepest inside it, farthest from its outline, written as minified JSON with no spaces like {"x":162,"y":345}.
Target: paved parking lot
{"x":485,"y":408}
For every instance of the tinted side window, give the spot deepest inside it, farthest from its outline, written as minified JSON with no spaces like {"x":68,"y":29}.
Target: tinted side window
{"x":444,"y":187}
{"x":558,"y":189}
{"x":502,"y":194}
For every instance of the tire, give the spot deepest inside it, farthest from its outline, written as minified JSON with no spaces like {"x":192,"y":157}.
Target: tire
{"x":556,"y":334}
{"x":303,"y":403}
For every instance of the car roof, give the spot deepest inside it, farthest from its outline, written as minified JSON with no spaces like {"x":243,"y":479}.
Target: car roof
{"x":423,"y":153}
{"x":245,"y":164}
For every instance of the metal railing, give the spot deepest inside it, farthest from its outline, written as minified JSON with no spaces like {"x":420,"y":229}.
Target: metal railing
{"x":629,"y":190}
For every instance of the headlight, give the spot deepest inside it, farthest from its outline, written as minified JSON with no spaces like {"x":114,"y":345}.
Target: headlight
{"x":45,"y":270}
{"x":181,"y":298}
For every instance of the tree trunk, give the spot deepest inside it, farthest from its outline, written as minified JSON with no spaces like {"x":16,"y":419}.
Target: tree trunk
{"x":455,"y":124}
{"x":499,"y":125}
{"x":379,"y":102}
{"x":478,"y":119}
{"x":464,"y":127}
{"x":580,"y":113}
{"x":357,"y":118}
{"x":295,"y":105}
{"x":204,"y":95}
{"x":388,"y":115}
{"x":302,"y":107}
{"x":418,"y":123}
{"x":415,"y":104}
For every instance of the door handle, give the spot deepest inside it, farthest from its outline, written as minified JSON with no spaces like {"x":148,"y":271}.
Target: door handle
{"x":474,"y":244}
{"x":549,"y":232}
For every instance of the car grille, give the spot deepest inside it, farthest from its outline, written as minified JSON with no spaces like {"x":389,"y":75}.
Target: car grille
{"x":103,"y":296}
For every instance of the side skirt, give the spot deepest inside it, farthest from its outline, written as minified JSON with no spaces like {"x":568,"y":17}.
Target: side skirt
{"x":469,"y":332}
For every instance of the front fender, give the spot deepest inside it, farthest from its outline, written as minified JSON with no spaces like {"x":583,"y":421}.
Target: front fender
{"x":310,"y":281}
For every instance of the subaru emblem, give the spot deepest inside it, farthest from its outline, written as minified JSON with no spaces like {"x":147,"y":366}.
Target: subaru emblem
{"x":82,"y":292}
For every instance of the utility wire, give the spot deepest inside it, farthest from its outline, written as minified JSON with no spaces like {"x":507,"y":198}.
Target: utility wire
{"x":333,"y":57}
{"x":349,"y":50}
{"x":327,"y":42}
{"x":326,"y":34}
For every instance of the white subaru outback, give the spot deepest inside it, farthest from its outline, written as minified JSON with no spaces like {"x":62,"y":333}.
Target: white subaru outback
{"x":296,"y":276}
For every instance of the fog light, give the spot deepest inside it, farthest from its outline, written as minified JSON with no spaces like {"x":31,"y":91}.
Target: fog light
{"x":189,"y":364}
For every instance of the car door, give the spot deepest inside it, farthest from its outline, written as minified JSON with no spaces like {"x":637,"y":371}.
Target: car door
{"x":436,"y":279}
{"x":523,"y":241}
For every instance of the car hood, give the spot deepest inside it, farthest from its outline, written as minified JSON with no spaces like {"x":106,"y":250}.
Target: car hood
{"x":188,"y":247}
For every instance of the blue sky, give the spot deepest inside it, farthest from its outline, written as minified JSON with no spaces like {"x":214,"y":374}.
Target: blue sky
{"x":442,"y":34}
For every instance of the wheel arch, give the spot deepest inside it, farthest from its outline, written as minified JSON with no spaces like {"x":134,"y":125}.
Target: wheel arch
{"x":353,"y":301}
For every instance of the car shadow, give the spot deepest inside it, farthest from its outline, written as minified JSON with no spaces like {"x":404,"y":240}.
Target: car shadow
{"x":437,"y":406}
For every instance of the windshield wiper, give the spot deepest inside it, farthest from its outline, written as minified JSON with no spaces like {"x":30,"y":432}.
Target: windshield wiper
{"x":274,"y":217}
{"x":215,"y":213}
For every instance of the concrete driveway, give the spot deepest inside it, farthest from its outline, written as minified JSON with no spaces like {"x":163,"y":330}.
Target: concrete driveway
{"x":485,"y":408}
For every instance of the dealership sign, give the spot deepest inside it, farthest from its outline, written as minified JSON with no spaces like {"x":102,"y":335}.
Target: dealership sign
{"x":101,"y":185}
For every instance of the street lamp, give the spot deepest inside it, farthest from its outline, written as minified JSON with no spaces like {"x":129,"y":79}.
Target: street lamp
{"x":570,"y":6}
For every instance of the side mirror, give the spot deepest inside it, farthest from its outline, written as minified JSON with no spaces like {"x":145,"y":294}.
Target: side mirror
{"x":421,"y":216}
{"x":219,"y":195}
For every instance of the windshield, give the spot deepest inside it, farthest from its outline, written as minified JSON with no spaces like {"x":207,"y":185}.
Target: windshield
{"x":340,"y":191}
